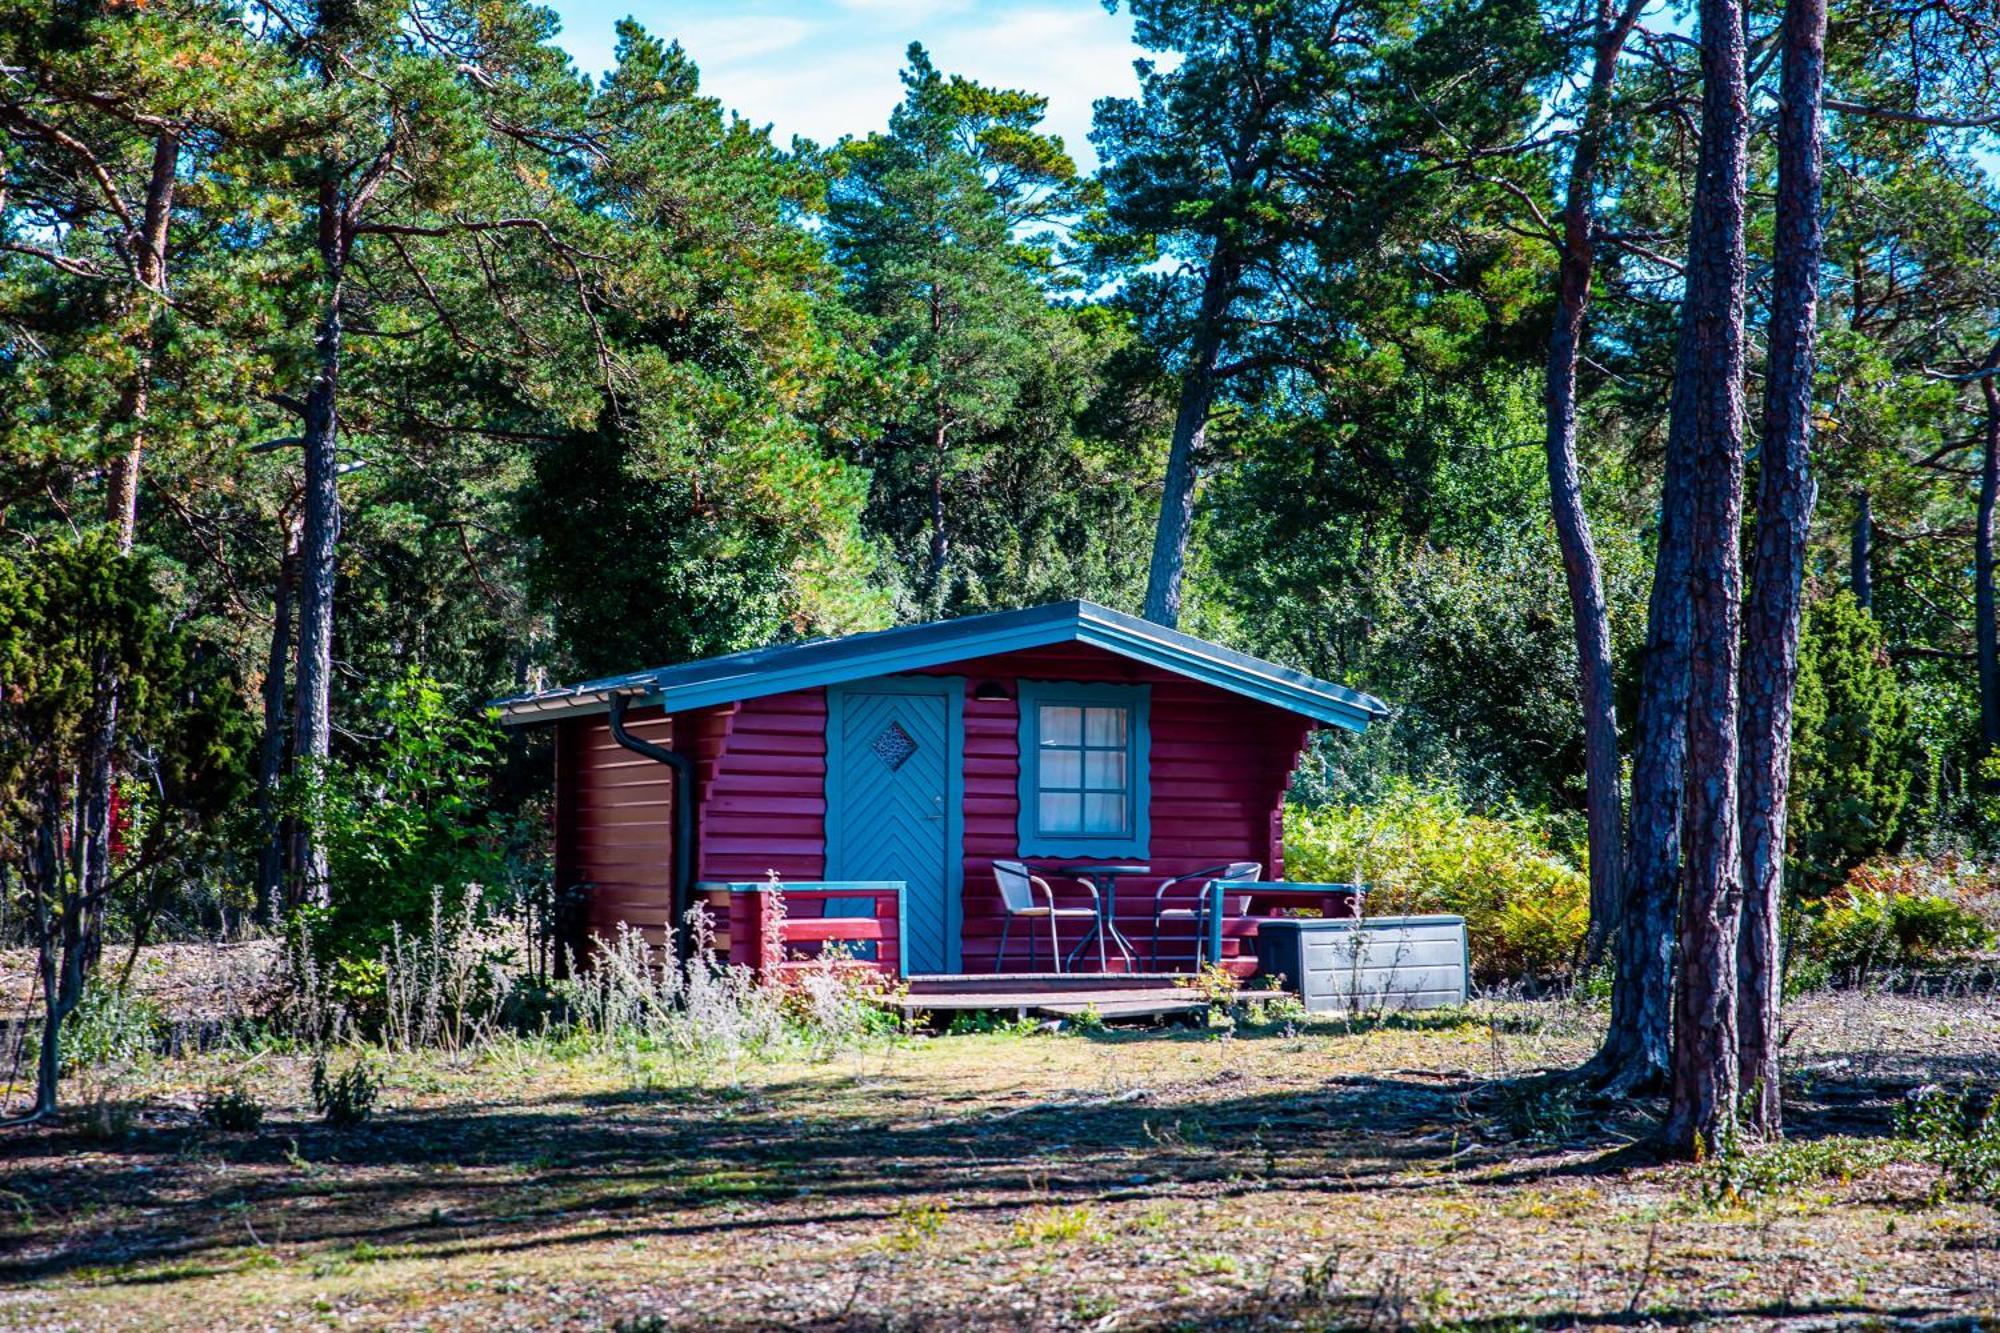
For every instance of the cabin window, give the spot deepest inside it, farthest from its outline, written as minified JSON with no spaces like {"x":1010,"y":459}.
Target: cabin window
{"x":1084,"y":753}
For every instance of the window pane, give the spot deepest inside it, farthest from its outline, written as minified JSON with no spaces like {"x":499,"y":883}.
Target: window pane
{"x":1061,"y":724}
{"x":1103,"y":770}
{"x":1062,"y":813}
{"x":1061,"y":768}
{"x":1103,"y":814}
{"x":1104,"y":726}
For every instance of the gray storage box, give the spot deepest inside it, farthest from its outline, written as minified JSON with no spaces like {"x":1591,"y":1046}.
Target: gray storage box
{"x":1383,"y":962}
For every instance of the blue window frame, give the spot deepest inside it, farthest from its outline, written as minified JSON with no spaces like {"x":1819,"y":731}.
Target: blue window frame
{"x":1085,"y":751}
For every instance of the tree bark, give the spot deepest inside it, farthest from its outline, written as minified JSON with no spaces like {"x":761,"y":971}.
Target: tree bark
{"x":940,"y":542}
{"x":1708,"y":393}
{"x":313,"y":734}
{"x":1197,"y":400}
{"x":1602,"y":799}
{"x":1634,"y":1057}
{"x":150,"y":267}
{"x":1785,"y":494}
{"x":277,"y":716}
{"x":1861,"y":553}
{"x":1986,"y":621}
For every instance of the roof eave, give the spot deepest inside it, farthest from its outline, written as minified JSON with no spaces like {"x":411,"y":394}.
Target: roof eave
{"x":838,"y":661}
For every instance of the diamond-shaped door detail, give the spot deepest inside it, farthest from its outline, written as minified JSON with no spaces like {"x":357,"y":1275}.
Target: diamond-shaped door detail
{"x":894,"y":746}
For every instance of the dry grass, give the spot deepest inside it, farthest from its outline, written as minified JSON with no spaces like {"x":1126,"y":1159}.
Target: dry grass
{"x":1387,"y":1174}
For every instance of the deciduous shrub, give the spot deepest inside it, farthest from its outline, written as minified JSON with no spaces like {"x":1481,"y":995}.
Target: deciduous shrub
{"x":410,"y":819}
{"x":1871,"y":929}
{"x":1526,"y":905}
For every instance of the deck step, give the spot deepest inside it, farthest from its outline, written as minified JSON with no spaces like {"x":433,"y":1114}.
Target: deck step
{"x":1109,"y":1003}
{"x":1008,"y":983}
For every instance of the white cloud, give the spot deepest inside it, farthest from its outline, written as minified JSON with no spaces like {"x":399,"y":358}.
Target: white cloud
{"x":829,"y":68}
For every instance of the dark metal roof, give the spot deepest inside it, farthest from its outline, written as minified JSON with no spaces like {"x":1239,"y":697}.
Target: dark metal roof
{"x":816,"y":662}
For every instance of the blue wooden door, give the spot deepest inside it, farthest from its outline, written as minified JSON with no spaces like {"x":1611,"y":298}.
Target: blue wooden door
{"x":893,"y":803}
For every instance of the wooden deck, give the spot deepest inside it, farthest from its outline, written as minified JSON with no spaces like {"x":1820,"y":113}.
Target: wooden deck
{"x":1116,"y":996}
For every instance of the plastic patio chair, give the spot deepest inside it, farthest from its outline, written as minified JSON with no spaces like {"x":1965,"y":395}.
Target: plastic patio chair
{"x":1197,"y":910}
{"x":1018,"y":887}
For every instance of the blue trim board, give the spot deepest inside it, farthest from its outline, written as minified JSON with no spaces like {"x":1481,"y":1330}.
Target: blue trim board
{"x":1139,"y":766}
{"x":952,"y":690}
{"x":820,"y":662}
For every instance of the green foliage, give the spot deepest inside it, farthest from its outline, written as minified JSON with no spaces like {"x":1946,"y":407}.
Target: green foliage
{"x":986,"y":382}
{"x":1869,"y":930}
{"x":1526,"y":906}
{"x":409,"y":818}
{"x":1853,"y":749}
{"x":111,"y":1027}
{"x":1738,"y":1173}
{"x":699,"y":506}
{"x":1411,"y":555}
{"x":1960,"y":1137}
{"x":345,"y":1099}
{"x":231,"y":1107}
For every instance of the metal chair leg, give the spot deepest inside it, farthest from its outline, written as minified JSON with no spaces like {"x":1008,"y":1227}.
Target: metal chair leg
{"x":1103,"y":929}
{"x":1156,"y":941}
{"x":1055,"y":942}
{"x":1000,"y":959}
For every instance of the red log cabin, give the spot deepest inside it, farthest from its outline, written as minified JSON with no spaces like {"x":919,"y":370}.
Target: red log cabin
{"x":879,"y":777}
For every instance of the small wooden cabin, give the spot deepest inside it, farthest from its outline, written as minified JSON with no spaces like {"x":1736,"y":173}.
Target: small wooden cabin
{"x":918,"y":756}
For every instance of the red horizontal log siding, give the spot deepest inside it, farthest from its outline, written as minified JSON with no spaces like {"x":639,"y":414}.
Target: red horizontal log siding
{"x":614,"y":823}
{"x":764,"y":808}
{"x":1220,"y":766}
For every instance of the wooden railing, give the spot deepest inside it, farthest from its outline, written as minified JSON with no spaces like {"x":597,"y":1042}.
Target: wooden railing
{"x":1329,"y":900}
{"x":865,"y":917}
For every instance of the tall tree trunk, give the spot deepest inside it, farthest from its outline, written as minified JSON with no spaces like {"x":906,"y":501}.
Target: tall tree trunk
{"x":1986,"y":622}
{"x":1708,"y":391}
{"x":1785,"y":494}
{"x":1198,"y":388}
{"x":149,"y":267}
{"x":1861,"y":552}
{"x":1592,"y":617}
{"x":1635,"y":1058}
{"x":313,"y":734}
{"x":277,"y":730}
{"x":940,"y":542}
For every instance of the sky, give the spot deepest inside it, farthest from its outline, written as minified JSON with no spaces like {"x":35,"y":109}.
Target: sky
{"x":824,"y":68}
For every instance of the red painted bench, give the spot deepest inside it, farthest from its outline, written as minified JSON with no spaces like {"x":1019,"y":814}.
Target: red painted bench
{"x":866,"y":915}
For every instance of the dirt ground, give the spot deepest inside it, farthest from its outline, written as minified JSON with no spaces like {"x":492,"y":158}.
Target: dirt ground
{"x":1402,"y":1172}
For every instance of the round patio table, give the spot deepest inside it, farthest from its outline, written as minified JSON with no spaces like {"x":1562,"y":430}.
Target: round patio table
{"x":1104,"y":876}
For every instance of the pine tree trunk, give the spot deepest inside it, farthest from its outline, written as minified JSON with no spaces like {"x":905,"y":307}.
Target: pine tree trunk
{"x":1591,"y":616}
{"x":1785,"y":494}
{"x":122,"y":489}
{"x":313,"y":734}
{"x":277,"y":717}
{"x":1635,"y":1058}
{"x":1986,"y":619}
{"x":1708,"y":391}
{"x":150,"y":268}
{"x":940,"y":542}
{"x":1861,"y":553}
{"x":1198,"y":387}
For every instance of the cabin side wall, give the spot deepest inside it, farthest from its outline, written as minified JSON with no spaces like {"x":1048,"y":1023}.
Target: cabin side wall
{"x":614,"y":824}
